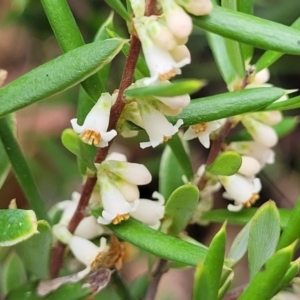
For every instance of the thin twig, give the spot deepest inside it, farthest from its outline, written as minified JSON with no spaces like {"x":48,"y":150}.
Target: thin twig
{"x":58,"y":249}
{"x":161,"y":268}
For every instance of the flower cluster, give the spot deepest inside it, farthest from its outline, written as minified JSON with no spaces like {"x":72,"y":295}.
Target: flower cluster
{"x":150,"y":113}
{"x":244,"y":187}
{"x":163,"y":36}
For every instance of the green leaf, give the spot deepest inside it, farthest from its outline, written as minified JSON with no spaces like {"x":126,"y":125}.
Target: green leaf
{"x":73,"y":291}
{"x":290,"y":103}
{"x":16,"y":225}
{"x":289,"y":275}
{"x":291,"y":231}
{"x":208,"y":273}
{"x":178,"y":148}
{"x":239,"y":246}
{"x":233,"y":48}
{"x":181,"y":206}
{"x":226,"y":164}
{"x":243,"y":217}
{"x":119,"y":8}
{"x":265,"y":223}
{"x":269,"y":57}
{"x":246,"y":6}
{"x":175,"y":88}
{"x":21,"y":168}
{"x":221,"y":57}
{"x":13,"y":273}
{"x":165,"y":246}
{"x":170,"y":173}
{"x":57,"y":75}
{"x":262,"y":286}
{"x":226,"y":105}
{"x":69,"y":37}
{"x":35,"y":251}
{"x":84,"y":152}
{"x":250,"y":30}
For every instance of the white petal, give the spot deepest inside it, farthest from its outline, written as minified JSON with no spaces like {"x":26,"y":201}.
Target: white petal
{"x":175,"y":102}
{"x":250,"y":166}
{"x":77,"y":128}
{"x":189,"y":134}
{"x":204,"y":139}
{"x":88,"y":228}
{"x":131,"y":172}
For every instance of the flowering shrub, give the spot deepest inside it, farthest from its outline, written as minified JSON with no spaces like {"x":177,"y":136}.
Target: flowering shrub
{"x":78,"y":248}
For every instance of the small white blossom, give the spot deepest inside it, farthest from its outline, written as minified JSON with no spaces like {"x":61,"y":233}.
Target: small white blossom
{"x":161,"y":64}
{"x":262,"y":153}
{"x":267,"y":117}
{"x":158,"y":128}
{"x":261,"y":133}
{"x":202,"y":132}
{"x":150,"y":212}
{"x":243,"y":190}
{"x":178,"y":21}
{"x":89,"y":228}
{"x":250,"y":166}
{"x":115,"y":206}
{"x":86,"y":252}
{"x":94,"y":129}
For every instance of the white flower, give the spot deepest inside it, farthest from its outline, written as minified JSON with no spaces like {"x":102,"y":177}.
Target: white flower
{"x":261,"y":133}
{"x":176,"y":102}
{"x":89,"y":228}
{"x":267,"y":117}
{"x":115,"y":206}
{"x":178,"y":21}
{"x":250,"y":166}
{"x":243,"y":190}
{"x":161,"y":64}
{"x":94,"y":129}
{"x":262,"y":153}
{"x":150,"y":212}
{"x":202,"y":132}
{"x":86,"y":252}
{"x":158,"y":128}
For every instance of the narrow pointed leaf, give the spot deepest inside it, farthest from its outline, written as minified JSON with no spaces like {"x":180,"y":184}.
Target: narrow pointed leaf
{"x":290,"y":103}
{"x":269,"y":57}
{"x":69,"y":37}
{"x":246,"y":6}
{"x":262,"y":285}
{"x":119,"y":8}
{"x":35,"y":251}
{"x":170,"y":173}
{"x":181,"y":206}
{"x":226,"y":164}
{"x":179,"y":150}
{"x":208,"y":273}
{"x":289,"y":275}
{"x":58,"y":74}
{"x":226,"y":105}
{"x":221,"y":57}
{"x":21,"y":169}
{"x":165,"y":246}
{"x":176,"y":88}
{"x":265,"y":223}
{"x":16,"y":225}
{"x":243,"y":217}
{"x":250,"y":30}
{"x":291,"y":231}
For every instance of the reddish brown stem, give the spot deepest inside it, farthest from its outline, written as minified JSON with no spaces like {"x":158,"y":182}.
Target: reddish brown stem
{"x":58,"y":249}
